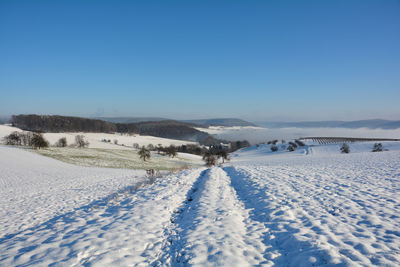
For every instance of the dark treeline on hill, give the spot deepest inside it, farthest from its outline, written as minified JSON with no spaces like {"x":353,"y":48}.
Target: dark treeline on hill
{"x":195,"y":123}
{"x":165,"y":129}
{"x":56,"y":124}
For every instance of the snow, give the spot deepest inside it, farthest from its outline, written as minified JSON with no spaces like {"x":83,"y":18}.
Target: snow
{"x":314,"y":206}
{"x":35,"y":188}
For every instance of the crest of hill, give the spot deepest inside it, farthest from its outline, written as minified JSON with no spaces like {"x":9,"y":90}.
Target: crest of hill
{"x":130,"y":119}
{"x":166,"y":129}
{"x":228,"y":122}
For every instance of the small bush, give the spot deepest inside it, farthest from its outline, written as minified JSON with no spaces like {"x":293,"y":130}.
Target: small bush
{"x":345,"y":148}
{"x":115,"y":142}
{"x":377,"y":147}
{"x":136,"y":145}
{"x":274,"y":148}
{"x":38,"y":141}
{"x":62,"y":142}
{"x":291,"y":148}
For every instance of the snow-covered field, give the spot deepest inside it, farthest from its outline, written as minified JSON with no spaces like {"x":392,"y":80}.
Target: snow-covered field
{"x":110,"y":155}
{"x":313,"y":206}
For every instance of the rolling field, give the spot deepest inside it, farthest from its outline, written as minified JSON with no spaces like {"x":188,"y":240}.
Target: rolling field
{"x":311,"y":207}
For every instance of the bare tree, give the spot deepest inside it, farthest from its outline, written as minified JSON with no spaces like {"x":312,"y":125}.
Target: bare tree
{"x":150,"y":147}
{"x":222,"y":154}
{"x":209,"y":158}
{"x":13,"y":139}
{"x":159,"y":148}
{"x":81,"y":142}
{"x":171,"y":151}
{"x":26,"y":138}
{"x":144,"y":153}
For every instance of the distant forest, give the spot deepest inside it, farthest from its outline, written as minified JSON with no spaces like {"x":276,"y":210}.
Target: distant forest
{"x":166,"y":129}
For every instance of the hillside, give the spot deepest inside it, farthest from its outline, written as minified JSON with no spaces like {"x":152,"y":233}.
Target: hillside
{"x":165,"y":129}
{"x":312,"y":207}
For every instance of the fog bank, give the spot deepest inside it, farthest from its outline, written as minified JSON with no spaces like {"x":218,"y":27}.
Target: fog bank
{"x":257,"y":134}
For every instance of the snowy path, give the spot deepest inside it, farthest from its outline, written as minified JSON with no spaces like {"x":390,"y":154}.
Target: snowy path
{"x":213,"y":227}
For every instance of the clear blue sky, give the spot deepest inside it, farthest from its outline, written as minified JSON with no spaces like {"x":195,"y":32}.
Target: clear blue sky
{"x":289,"y":60}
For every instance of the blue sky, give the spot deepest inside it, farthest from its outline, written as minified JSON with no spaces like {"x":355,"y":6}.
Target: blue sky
{"x":272,"y":60}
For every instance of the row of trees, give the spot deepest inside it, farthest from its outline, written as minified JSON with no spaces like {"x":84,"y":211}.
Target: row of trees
{"x":210,"y":155}
{"x":37,"y":140}
{"x":291,"y":146}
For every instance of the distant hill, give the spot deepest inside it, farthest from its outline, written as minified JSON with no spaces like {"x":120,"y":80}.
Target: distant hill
{"x":228,"y":122}
{"x":166,"y":128}
{"x":57,"y":124}
{"x":371,"y":124}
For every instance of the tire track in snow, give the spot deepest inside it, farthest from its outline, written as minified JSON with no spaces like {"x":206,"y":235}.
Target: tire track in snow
{"x":180,"y":221}
{"x":212,"y":227}
{"x":283,"y":248}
